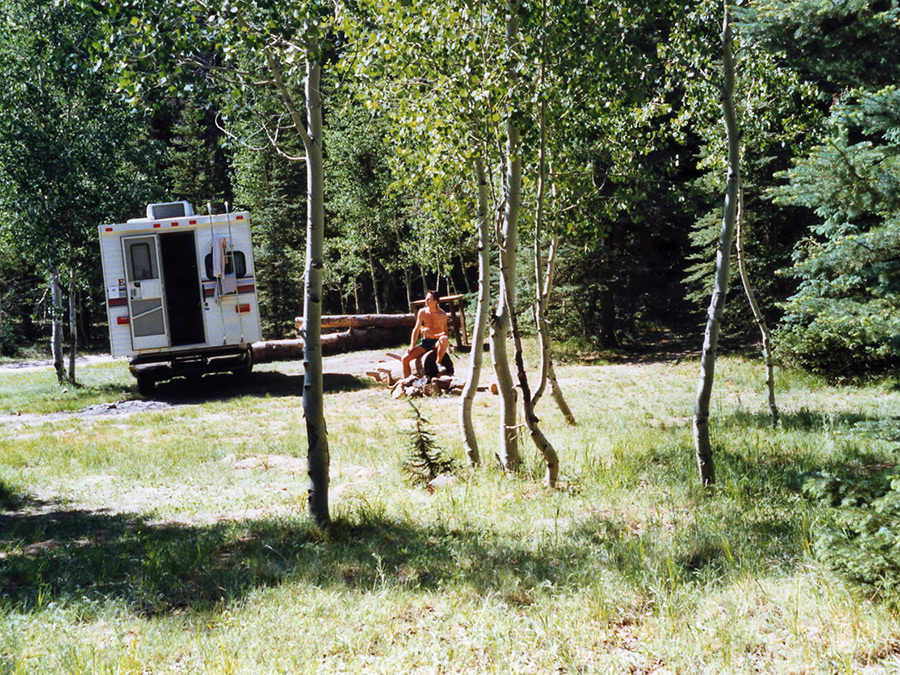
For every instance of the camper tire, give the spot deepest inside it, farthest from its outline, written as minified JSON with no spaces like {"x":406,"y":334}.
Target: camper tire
{"x":243,"y":372}
{"x":145,"y":383}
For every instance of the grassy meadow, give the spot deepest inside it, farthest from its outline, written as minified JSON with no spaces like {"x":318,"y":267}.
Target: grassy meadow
{"x":172,"y":537}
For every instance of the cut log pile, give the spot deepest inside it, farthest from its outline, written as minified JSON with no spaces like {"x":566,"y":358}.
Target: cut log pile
{"x":390,"y":373}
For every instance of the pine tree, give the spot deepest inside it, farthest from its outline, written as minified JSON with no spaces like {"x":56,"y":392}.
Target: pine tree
{"x":193,"y":160}
{"x":843,"y":317}
{"x":425,"y":461}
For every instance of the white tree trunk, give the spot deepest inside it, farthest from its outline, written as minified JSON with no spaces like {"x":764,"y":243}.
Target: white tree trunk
{"x":548,"y":371}
{"x":313,"y":388}
{"x":716,"y":310}
{"x":508,"y":452}
{"x":2,"y":320}
{"x":757,"y":315}
{"x":542,"y":287}
{"x":317,"y":456}
{"x":73,"y":323}
{"x":374,"y":282}
{"x":481,"y":318}
{"x":551,"y":459}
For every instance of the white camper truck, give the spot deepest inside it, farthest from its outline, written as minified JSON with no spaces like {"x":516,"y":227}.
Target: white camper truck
{"x":180,"y":292}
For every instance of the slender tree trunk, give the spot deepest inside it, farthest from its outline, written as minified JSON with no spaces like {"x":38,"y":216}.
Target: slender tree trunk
{"x":540,"y":308}
{"x":462,"y":268}
{"x":84,"y":321}
{"x":313,"y":388}
{"x":317,"y":456}
{"x":551,"y":459}
{"x":716,"y":310}
{"x":374,"y":282}
{"x":548,"y":370}
{"x":407,"y":277}
{"x":56,"y":334}
{"x":424,"y":281}
{"x":2,"y":320}
{"x":481,"y":318}
{"x":508,"y":451}
{"x":757,"y":314}
{"x":543,"y":285}
{"x":73,"y":321}
{"x":556,"y":393}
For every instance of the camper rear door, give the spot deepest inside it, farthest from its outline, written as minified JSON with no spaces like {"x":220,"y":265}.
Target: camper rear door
{"x":144,"y":286}
{"x":164,"y":293}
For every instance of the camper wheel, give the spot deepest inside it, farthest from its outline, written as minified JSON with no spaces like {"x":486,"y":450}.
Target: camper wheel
{"x":243,"y":372}
{"x":145,"y":383}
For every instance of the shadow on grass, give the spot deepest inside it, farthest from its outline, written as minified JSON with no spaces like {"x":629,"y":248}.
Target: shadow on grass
{"x":224,"y":386}
{"x":10,"y":498}
{"x":801,"y":420}
{"x":754,"y":521}
{"x":50,"y":553}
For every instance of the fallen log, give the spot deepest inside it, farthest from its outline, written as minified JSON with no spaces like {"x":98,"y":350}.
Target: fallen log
{"x":334,"y":343}
{"x":397,"y":321}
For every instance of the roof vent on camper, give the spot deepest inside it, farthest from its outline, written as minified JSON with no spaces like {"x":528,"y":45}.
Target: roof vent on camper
{"x":169,"y":210}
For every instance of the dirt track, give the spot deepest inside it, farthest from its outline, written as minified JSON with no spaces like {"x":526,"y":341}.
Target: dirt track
{"x":47,"y":363}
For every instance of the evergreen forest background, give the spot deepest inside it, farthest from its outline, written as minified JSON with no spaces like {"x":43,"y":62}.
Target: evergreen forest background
{"x":107,"y":107}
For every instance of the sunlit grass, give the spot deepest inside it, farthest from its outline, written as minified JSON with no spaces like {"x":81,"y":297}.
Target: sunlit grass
{"x":176,"y":540}
{"x":38,"y":391}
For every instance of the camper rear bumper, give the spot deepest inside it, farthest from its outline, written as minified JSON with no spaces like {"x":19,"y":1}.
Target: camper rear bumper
{"x":162,"y":366}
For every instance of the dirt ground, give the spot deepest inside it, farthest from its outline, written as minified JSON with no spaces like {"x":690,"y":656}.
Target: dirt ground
{"x":355,"y":364}
{"x":47,"y":363}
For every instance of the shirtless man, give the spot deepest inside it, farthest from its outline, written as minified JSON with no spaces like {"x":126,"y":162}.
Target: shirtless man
{"x":431,"y":323}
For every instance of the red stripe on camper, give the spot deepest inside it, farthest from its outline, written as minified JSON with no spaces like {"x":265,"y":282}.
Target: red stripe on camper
{"x":210,"y":291}
{"x":117,"y":302}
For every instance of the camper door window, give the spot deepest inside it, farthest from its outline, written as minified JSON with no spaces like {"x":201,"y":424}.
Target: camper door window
{"x":141,"y":263}
{"x":235,"y":263}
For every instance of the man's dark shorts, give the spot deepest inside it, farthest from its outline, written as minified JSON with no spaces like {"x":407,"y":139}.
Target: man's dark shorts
{"x":428,"y":344}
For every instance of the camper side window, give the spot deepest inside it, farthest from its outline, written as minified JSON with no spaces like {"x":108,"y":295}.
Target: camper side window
{"x":235,"y":263}
{"x":141,"y":266}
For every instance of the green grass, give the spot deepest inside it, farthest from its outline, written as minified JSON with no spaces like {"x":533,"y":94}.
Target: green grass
{"x":37,"y":391}
{"x":176,"y":540}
